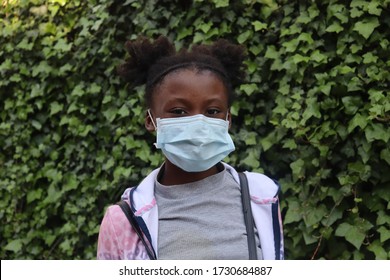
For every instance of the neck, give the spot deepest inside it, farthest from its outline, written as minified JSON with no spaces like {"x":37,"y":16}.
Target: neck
{"x":173,"y":175}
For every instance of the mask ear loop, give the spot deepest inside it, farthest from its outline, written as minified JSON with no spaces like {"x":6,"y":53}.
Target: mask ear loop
{"x":151,"y":118}
{"x":227,"y":115}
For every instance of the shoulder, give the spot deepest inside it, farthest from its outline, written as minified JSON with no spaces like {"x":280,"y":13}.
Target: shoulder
{"x":262,"y":185}
{"x":259,"y":184}
{"x":117,"y":239}
{"x":111,"y":234}
{"x":116,"y":220}
{"x":143,"y":193}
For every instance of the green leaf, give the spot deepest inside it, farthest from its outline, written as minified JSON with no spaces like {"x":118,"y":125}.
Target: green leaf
{"x":304,"y":18}
{"x":335,"y":215}
{"x":352,"y":104}
{"x":251,"y":139}
{"x":377,"y":95}
{"x":369,"y":58}
{"x":351,"y":233}
{"x":293,"y":213}
{"x":297,"y":168}
{"x":343,"y":229}
{"x":34,"y":195}
{"x":255,"y":50}
{"x":355,"y":13}
{"x":268,"y":141}
{"x":377,"y":248}
{"x":36,"y":124}
{"x":375,"y":131}
{"x":366,"y":26}
{"x":385,"y":155}
{"x":61,"y":2}
{"x":361,"y":4}
{"x":95,"y":88}
{"x":72,"y":107}
{"x":384,"y":234}
{"x":65,"y":245}
{"x":234,"y":109}
{"x":259,"y":25}
{"x":49,"y":239}
{"x":243,"y":37}
{"x":249,"y":88}
{"x":42,"y":68}
{"x":383,"y":218}
{"x":62,"y":45}
{"x":318,"y":56}
{"x":271,"y":52}
{"x":339,"y":11}
{"x":71,"y":182}
{"x":107,"y":99}
{"x":291,"y":45}
{"x":53,"y":174}
{"x":110,"y":114}
{"x":78,"y":90}
{"x":47,"y":28}
{"x":290,"y":144}
{"x":312,"y":109}
{"x":355,"y":84}
{"x":124,"y":111}
{"x":297,"y":58}
{"x":14,"y":245}
{"x":198,"y":37}
{"x":314,"y":215}
{"x":55,"y":107}
{"x":335,"y":27}
{"x":269,"y":8}
{"x":205,"y":27}
{"x":25,"y":45}
{"x":313,"y":11}
{"x":53,"y":195}
{"x":184,"y":32}
{"x":252,"y":159}
{"x":357,"y":121}
{"x":221,"y":3}
{"x":345,"y":69}
{"x":374,"y":9}
{"x":110,"y":163}
{"x":305,"y":37}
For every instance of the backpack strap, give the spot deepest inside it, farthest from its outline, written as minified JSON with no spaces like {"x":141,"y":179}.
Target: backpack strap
{"x":130,"y":216}
{"x":246,"y":203}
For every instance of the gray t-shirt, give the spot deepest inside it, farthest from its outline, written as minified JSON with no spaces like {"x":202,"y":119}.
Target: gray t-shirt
{"x":202,"y":220}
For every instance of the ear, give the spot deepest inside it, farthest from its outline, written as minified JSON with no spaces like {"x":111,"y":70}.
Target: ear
{"x":229,"y":118}
{"x":149,"y":123}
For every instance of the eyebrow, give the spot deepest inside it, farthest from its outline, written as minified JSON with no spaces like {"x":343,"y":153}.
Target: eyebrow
{"x":186,"y":100}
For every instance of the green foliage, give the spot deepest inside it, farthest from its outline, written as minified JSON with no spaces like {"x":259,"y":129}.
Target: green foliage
{"x":314,"y":114}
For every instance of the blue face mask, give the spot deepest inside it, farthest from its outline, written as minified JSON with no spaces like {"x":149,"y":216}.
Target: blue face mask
{"x":194,"y":143}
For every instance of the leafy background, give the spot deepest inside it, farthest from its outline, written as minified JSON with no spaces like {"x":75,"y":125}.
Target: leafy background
{"x":314,"y":114}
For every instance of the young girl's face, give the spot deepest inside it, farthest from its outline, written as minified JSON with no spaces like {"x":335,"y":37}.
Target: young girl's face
{"x":189,"y":92}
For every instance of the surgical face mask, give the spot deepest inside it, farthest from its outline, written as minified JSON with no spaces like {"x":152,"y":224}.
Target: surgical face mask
{"x":194,"y":143}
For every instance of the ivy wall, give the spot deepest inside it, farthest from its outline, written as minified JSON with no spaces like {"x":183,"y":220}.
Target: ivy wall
{"x":314,"y":114}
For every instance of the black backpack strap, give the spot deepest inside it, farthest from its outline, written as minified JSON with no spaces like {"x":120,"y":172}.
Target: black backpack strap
{"x":130,"y":216}
{"x":246,"y":203}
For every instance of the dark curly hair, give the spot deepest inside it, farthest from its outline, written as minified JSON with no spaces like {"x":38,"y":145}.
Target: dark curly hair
{"x":150,"y":61}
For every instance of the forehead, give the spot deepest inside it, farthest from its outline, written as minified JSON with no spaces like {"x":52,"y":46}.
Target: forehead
{"x":192,"y":85}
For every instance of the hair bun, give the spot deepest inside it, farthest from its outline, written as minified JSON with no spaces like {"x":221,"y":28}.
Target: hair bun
{"x":232,"y":58}
{"x":142,"y":55}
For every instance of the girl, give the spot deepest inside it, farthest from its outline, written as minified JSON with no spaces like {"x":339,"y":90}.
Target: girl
{"x":193,"y":206}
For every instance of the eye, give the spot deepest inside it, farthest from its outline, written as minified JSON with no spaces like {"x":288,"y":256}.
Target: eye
{"x":177,"y":111}
{"x":213,"y":111}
